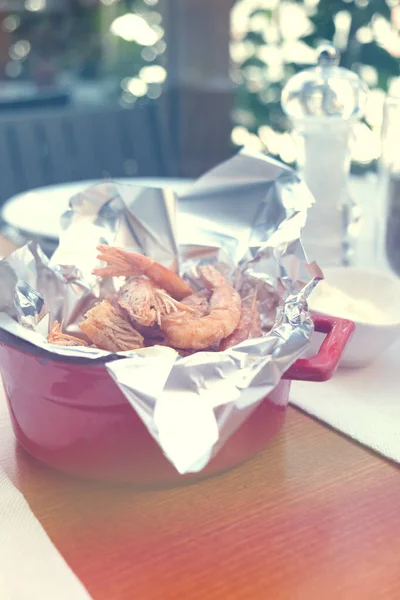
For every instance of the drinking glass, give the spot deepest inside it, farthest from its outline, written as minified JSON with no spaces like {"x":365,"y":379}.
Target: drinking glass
{"x":390,"y":181}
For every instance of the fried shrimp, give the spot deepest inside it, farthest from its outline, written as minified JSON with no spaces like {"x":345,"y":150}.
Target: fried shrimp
{"x":58,"y":338}
{"x":109,"y":328}
{"x":146,"y":303}
{"x":197,"y":332}
{"x":127,"y":264}
{"x":199,"y":302}
{"x":249,"y":325}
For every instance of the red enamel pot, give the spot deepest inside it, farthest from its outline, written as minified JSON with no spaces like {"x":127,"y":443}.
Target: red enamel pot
{"x":72,"y":416}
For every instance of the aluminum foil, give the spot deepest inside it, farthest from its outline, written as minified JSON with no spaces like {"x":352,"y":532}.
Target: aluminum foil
{"x":246,"y":216}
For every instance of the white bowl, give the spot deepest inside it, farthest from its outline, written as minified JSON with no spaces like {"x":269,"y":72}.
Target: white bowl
{"x":374,"y":308}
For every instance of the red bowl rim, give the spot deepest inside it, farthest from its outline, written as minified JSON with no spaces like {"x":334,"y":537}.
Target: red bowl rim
{"x":12,"y":341}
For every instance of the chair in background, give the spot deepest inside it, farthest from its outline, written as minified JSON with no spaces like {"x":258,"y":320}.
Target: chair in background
{"x":36,"y":100}
{"x":39,"y":148}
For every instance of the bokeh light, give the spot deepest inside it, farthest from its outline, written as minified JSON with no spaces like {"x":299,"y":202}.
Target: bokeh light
{"x":134,"y":28}
{"x":35,"y":5}
{"x":135,"y":86}
{"x":153,"y":74}
{"x":19,"y":50}
{"x":11,"y":23}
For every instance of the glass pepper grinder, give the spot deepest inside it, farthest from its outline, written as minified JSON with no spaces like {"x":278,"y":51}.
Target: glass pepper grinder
{"x":324,"y":103}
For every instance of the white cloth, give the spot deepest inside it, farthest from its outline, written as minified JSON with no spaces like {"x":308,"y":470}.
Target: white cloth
{"x":30,"y":566}
{"x":362,"y":403}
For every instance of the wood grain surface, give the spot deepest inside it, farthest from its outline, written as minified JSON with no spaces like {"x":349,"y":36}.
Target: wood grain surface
{"x":313,"y":517}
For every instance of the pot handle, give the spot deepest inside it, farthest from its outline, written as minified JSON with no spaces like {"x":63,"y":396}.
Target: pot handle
{"x":323,"y":365}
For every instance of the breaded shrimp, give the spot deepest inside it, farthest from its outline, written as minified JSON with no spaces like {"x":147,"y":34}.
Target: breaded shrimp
{"x":109,"y":328}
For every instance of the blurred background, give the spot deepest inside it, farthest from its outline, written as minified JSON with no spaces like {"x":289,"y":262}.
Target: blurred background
{"x":200,"y":77}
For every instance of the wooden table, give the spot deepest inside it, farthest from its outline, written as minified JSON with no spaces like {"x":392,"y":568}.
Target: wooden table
{"x":315,"y":516}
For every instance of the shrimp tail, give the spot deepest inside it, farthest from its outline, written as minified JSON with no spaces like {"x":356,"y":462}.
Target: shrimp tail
{"x":211,"y":277}
{"x":123,"y":263}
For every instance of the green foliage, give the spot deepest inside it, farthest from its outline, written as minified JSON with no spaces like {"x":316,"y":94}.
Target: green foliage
{"x":323,"y":18}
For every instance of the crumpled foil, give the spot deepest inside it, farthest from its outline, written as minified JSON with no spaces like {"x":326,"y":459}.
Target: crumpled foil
{"x":245,"y":214}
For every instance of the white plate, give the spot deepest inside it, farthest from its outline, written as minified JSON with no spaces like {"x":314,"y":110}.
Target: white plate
{"x":38,"y":212}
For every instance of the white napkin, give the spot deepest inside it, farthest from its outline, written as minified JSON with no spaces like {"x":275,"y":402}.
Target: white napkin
{"x":30,"y":566}
{"x":362,"y":403}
